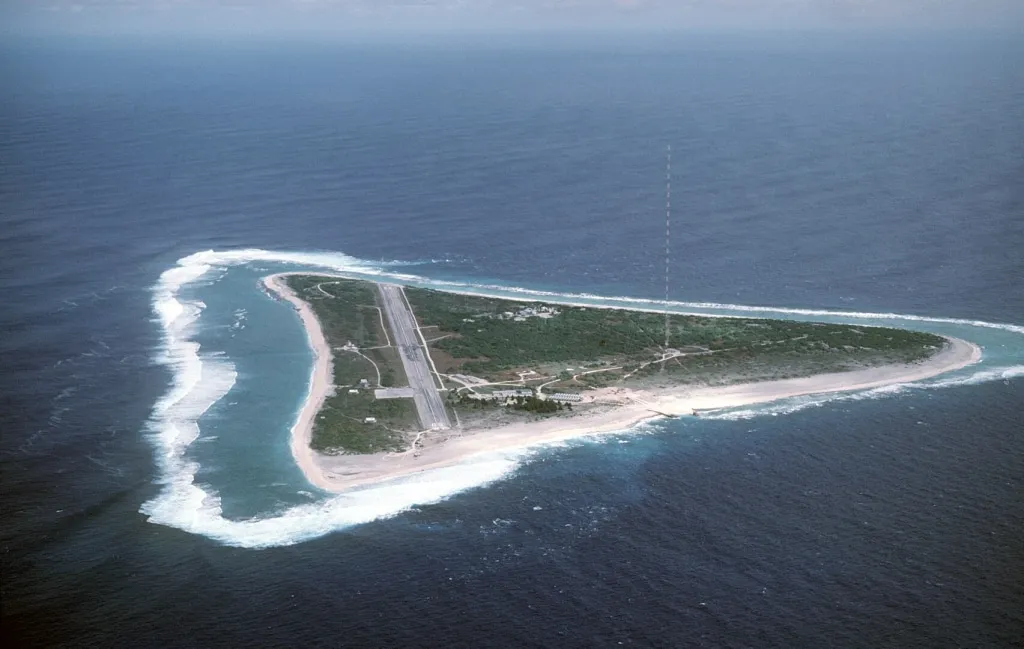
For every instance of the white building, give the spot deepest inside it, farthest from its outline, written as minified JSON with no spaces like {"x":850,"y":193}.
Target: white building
{"x":511,"y":394}
{"x":566,"y":397}
{"x":502,"y":394}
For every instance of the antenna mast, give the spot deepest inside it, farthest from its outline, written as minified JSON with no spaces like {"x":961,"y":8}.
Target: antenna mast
{"x":668,"y":221}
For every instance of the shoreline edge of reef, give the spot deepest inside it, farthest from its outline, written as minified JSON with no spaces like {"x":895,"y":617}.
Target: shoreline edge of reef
{"x":616,"y":409}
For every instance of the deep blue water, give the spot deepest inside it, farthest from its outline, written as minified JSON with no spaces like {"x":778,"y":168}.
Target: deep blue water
{"x":881,"y":176}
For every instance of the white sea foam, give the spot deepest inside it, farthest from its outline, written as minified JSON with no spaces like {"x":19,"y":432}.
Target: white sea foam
{"x":796,"y":404}
{"x":982,"y":376}
{"x":329,"y":260}
{"x":612,"y":301}
{"x":190,"y":508}
{"x":200,"y":380}
{"x":198,"y":383}
{"x":574,"y":299}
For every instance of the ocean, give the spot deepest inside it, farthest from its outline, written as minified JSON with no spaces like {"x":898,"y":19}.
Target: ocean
{"x":148,"y":386}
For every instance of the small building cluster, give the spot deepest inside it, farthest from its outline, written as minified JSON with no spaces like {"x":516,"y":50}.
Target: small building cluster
{"x":523,"y":314}
{"x":566,"y":397}
{"x":363,"y":384}
{"x":512,"y":394}
{"x":502,"y":394}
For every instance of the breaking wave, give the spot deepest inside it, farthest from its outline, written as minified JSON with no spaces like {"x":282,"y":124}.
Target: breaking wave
{"x":201,"y":379}
{"x":706,"y":308}
{"x":797,"y":404}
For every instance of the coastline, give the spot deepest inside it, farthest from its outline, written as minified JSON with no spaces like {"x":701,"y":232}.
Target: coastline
{"x":321,"y":381}
{"x":623,"y":409}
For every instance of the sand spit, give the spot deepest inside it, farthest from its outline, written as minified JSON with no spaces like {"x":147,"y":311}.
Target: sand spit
{"x":611,"y":410}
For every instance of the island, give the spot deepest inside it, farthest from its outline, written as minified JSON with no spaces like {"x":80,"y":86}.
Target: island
{"x":407,"y":379}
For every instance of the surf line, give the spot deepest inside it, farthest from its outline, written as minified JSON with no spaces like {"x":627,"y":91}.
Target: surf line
{"x":195,"y":508}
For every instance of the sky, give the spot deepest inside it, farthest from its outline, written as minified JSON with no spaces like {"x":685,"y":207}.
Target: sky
{"x":259,"y":16}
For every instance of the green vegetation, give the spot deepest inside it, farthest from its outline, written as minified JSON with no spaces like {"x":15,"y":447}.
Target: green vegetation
{"x":347,"y":309}
{"x":539,"y":406}
{"x":520,"y":345}
{"x":523,"y":404}
{"x":341,"y":424}
{"x":487,"y":339}
{"x":348,"y":313}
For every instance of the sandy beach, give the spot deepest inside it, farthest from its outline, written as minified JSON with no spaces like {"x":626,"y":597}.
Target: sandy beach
{"x":321,"y":382}
{"x":611,"y":410}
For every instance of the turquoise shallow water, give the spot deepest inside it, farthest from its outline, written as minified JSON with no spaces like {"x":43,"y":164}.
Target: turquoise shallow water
{"x":243,"y":444}
{"x":246,"y":488}
{"x":874,"y":175}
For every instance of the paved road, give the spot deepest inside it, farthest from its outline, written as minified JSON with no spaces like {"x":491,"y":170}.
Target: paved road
{"x":428,"y":401}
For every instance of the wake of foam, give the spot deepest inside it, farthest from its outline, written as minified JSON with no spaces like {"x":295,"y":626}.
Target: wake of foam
{"x":983,"y":376}
{"x":200,"y":380}
{"x":588,"y":299}
{"x":189,"y":508}
{"x":573,"y":299}
{"x":796,"y":404}
{"x":198,"y":383}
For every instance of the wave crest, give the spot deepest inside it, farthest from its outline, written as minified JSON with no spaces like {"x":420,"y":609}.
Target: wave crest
{"x":200,"y":380}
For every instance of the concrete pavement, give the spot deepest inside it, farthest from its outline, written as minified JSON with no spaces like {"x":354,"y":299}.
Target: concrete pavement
{"x":429,"y":405}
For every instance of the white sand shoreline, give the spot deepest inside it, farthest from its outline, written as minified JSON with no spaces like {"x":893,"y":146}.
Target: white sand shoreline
{"x":321,"y":382}
{"x":626,"y":408}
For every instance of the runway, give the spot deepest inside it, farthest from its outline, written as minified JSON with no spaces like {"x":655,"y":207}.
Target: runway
{"x":429,"y":405}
